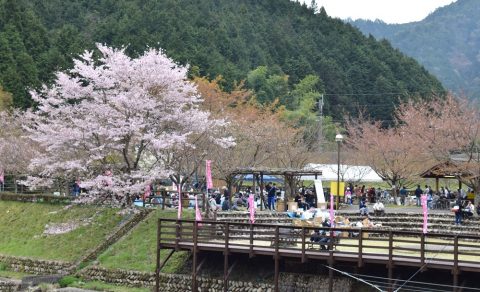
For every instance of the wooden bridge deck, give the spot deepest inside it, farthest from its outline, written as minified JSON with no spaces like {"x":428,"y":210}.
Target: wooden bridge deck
{"x":367,"y":246}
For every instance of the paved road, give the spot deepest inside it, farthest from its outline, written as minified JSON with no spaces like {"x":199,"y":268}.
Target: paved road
{"x":395,"y":209}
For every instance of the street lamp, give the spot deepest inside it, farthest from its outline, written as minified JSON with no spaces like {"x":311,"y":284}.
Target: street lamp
{"x":338,"y":139}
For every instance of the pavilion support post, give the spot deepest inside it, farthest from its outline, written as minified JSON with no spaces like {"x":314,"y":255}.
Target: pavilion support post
{"x":262,"y":187}
{"x":254,"y":183}
{"x":436,"y":184}
{"x":230,"y":188}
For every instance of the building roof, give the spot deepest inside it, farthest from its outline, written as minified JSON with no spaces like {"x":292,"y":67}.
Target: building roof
{"x":277,"y":171}
{"x":361,"y":173}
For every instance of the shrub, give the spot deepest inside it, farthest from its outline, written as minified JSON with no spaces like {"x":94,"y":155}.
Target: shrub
{"x":67,"y":280}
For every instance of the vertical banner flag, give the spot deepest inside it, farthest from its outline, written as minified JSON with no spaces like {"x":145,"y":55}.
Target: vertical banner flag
{"x":208,"y":174}
{"x":2,"y":179}
{"x":179,"y":202}
{"x":148,"y":192}
{"x":251,"y":206}
{"x":198,"y":214}
{"x":332,"y":217}
{"x":425,"y":213}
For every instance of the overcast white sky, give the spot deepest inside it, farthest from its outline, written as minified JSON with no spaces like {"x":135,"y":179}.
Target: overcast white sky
{"x":390,"y":11}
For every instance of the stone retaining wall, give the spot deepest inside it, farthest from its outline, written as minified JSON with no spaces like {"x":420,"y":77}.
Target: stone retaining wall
{"x":176,"y":282}
{"x":33,"y":198}
{"x":37,"y":267}
{"x":7,"y":285}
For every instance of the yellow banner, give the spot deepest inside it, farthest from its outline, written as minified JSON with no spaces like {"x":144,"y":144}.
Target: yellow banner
{"x":333,"y":188}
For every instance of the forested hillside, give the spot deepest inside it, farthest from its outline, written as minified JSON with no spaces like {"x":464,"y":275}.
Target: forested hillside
{"x":447,"y":43}
{"x":273,"y":43}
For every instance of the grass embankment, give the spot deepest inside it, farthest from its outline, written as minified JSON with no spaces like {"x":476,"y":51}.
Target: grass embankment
{"x":137,"y":250}
{"x":22,"y":227}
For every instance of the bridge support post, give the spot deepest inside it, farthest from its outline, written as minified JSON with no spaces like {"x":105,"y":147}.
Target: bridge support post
{"x":277,"y":259}
{"x":225,"y":258}
{"x":194,"y":264}
{"x":390,"y":261}
{"x":455,"y":270}
{"x":330,"y":263}
{"x":330,"y":279}
{"x":157,"y":270}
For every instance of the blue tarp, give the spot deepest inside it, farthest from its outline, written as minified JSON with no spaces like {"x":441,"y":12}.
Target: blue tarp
{"x":266,"y":178}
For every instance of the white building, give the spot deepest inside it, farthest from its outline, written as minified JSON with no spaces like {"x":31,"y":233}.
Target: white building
{"x":348,"y":173}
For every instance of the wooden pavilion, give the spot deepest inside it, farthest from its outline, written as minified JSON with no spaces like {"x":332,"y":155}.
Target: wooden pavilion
{"x":445,"y":170}
{"x":290,"y":176}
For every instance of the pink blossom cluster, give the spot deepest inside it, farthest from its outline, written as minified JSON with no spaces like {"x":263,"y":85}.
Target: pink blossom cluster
{"x":112,"y":122}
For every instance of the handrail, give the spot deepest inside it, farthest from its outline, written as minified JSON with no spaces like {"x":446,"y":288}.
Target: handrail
{"x":339,"y":229}
{"x":390,"y":246}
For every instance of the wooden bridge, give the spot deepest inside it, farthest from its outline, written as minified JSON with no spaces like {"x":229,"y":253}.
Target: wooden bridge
{"x":362,"y":246}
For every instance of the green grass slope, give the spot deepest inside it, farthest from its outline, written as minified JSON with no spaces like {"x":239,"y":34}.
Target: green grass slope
{"x":137,"y":250}
{"x":22,"y":227}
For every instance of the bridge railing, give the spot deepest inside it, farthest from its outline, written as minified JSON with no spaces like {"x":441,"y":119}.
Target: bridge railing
{"x":416,"y":248}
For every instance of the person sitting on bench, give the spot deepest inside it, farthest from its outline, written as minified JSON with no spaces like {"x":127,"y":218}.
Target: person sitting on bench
{"x":378,"y":209}
{"x":363,"y":207}
{"x":321,"y":237}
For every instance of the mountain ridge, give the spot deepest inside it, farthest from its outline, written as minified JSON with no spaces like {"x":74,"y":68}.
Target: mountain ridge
{"x":219,"y":37}
{"x":446,"y":42}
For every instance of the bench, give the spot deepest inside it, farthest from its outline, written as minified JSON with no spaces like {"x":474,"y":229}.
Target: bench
{"x":324,"y":241}
{"x":286,"y":237}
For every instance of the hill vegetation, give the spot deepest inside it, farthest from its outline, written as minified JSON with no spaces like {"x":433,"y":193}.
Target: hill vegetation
{"x":446,"y":43}
{"x":274,"y":45}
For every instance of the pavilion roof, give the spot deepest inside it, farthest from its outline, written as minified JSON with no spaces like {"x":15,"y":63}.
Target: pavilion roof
{"x":446,"y":169}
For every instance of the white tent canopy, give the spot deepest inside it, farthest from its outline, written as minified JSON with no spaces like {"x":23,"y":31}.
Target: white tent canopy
{"x":354,"y":173}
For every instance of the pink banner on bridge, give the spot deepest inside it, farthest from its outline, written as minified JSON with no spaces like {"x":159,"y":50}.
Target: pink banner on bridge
{"x":332,"y":216}
{"x":425,"y":213}
{"x":148,"y":191}
{"x":179,"y":216}
{"x":208,"y":174}
{"x":251,"y":206}
{"x":2,"y":176}
{"x":198,"y":214}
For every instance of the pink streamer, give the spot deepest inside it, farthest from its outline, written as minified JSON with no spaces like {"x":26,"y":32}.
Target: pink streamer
{"x":208,"y":174}
{"x":332,"y":216}
{"x":179,"y":203}
{"x":198,"y":214}
{"x":148,"y":192}
{"x":251,"y":205}
{"x":425,"y":213}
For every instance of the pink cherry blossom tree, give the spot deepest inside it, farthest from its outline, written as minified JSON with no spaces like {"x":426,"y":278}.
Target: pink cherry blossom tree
{"x":113,"y":121}
{"x":16,"y":150}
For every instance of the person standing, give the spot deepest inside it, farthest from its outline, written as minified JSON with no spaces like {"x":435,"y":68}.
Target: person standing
{"x":271,"y":197}
{"x":348,"y":196}
{"x":458,"y":211}
{"x":418,"y":194}
{"x":76,"y":188}
{"x":403,"y":195}
{"x":226,"y":199}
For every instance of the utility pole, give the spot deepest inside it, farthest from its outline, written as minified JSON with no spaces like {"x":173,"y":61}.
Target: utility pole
{"x":320,"y":122}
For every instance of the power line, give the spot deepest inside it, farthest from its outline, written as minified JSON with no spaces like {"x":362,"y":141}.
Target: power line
{"x":379,"y":93}
{"x":414,"y":282}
